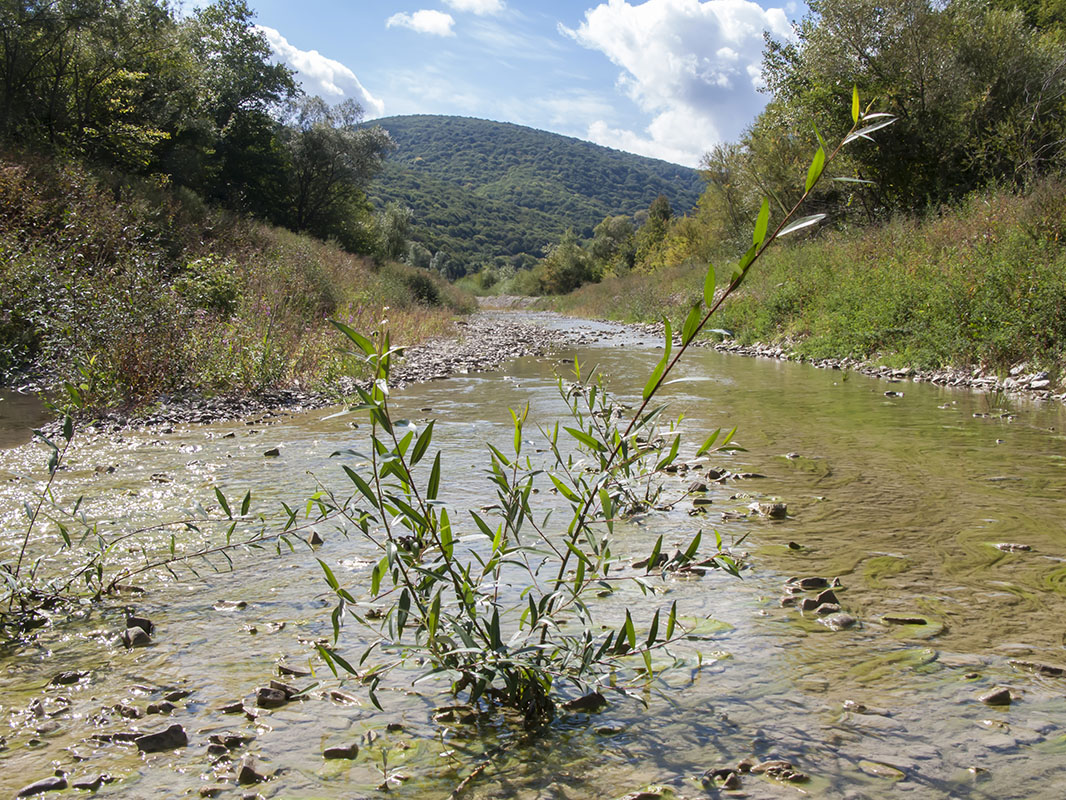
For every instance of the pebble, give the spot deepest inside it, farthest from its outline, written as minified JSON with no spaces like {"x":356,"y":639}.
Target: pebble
{"x":140,"y":622}
{"x":1013,"y":547}
{"x":316,"y":538}
{"x":165,"y":707}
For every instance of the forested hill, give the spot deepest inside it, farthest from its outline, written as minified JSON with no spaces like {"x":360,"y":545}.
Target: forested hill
{"x":486,"y":192}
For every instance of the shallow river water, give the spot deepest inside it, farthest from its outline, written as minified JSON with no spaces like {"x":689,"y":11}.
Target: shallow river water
{"x":905,"y":499}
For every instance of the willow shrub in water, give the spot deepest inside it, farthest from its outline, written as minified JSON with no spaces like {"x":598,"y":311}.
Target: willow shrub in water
{"x":447,"y":610}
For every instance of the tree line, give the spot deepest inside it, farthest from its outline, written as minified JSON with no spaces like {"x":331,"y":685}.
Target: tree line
{"x":192,"y":100}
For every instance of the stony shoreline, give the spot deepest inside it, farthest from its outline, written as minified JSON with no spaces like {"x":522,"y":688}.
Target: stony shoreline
{"x":1036,"y":385}
{"x":482,"y":342}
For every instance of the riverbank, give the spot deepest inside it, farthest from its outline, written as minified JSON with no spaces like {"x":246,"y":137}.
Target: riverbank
{"x":1021,"y":380}
{"x":479,"y":343}
{"x":969,"y":295}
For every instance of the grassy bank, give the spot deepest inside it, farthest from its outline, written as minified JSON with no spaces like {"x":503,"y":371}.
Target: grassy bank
{"x":983,"y":283}
{"x":138,"y":290}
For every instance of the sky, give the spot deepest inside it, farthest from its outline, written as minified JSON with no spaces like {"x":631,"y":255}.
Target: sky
{"x":662,"y":78}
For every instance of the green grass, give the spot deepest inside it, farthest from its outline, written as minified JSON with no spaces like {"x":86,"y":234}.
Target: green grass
{"x":980,"y":284}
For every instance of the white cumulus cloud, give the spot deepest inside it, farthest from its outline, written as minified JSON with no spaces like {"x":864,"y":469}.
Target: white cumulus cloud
{"x":476,"y":6}
{"x":693,"y":64}
{"x":322,"y":76}
{"x":435,"y":23}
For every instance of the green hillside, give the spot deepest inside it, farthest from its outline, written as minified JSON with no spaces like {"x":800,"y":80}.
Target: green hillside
{"x":488,"y":191}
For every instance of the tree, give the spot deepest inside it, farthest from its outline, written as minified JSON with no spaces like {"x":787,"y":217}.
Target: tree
{"x":331,"y":159}
{"x":976,"y":91}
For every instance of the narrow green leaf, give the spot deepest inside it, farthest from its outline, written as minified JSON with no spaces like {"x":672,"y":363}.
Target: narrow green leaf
{"x":656,"y":376}
{"x":361,"y":341}
{"x":446,"y":542}
{"x":653,"y":632}
{"x":692,"y":323}
{"x":222,"y":502}
{"x":246,"y":503}
{"x":564,"y":490}
{"x":762,"y":223}
{"x":585,"y":439}
{"x":377,"y":574}
{"x":362,"y":486}
{"x":710,"y":283}
{"x":331,"y":579}
{"x":422,"y":444}
{"x":671,"y":622}
{"x":630,"y":631}
{"x":800,"y":224}
{"x":434,"y":479}
{"x":855,"y":104}
{"x":653,"y":559}
{"x":815,"y":170}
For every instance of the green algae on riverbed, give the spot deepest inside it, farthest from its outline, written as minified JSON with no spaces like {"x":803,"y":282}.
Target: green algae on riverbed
{"x":899,"y":507}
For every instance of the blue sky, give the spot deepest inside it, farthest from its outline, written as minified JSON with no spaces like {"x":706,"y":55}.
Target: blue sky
{"x":662,"y":78}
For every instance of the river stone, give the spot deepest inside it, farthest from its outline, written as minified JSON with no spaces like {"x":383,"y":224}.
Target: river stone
{"x":233,"y":708}
{"x":808,"y":584}
{"x":881,"y":770}
{"x":344,"y":751}
{"x":289,"y":690}
{"x":136,"y":637}
{"x":248,"y":772}
{"x":316,"y":538}
{"x":67,"y":678}
{"x":292,"y":671}
{"x":140,"y":622}
{"x":164,"y":707}
{"x":999,"y":696}
{"x":839,"y":621}
{"x":593,"y":701}
{"x":230,"y":741}
{"x":176,"y":695}
{"x":55,"y":783}
{"x":808,"y":604}
{"x":269,"y":697}
{"x":900,"y":619}
{"x":91,"y":784}
{"x":273,"y":452}
{"x":211,"y":791}
{"x":827,"y":608}
{"x":828,"y":596}
{"x":697,"y":486}
{"x":1049,"y":670}
{"x":169,"y":739}
{"x":771,"y":510}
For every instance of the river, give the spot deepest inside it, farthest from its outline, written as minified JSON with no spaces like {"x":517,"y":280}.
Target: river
{"x":903,"y":498}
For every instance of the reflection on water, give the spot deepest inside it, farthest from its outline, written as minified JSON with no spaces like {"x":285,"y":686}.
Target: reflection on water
{"x":904,"y":499}
{"x":19,"y":415}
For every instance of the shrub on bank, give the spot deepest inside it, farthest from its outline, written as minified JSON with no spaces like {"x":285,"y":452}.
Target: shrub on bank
{"x":161,"y":294}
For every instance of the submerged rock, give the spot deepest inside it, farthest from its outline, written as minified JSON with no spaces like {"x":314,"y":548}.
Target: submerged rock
{"x":68,"y":678}
{"x":248,"y":772}
{"x":136,"y":637}
{"x":839,"y":621}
